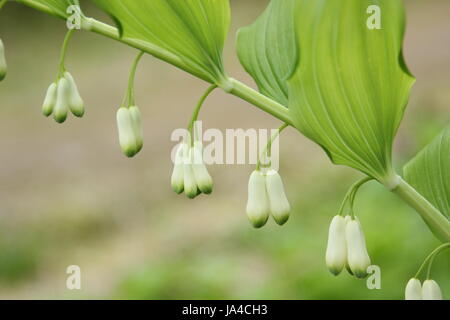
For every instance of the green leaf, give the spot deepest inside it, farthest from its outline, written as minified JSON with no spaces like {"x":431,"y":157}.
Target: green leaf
{"x":267,"y":49}
{"x":57,"y":8}
{"x":429,"y":172}
{"x":192,"y":30}
{"x":351,"y":85}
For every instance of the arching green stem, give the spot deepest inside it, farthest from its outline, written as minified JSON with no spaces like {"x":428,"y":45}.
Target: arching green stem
{"x":197,"y":109}
{"x":351,"y":194}
{"x":268,"y":149}
{"x":62,"y":57}
{"x":129,"y":99}
{"x":430,"y":259}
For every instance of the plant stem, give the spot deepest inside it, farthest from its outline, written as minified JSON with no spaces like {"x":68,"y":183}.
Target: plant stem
{"x":62,"y":58}
{"x":198,"y":108}
{"x":130,"y":90}
{"x":268,"y":149}
{"x":435,"y":220}
{"x":350,"y":195}
{"x":431,"y":256}
{"x":259,"y":100}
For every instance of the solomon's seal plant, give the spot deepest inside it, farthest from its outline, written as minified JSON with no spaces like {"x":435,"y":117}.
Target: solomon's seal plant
{"x":62,"y":95}
{"x":319,"y":69}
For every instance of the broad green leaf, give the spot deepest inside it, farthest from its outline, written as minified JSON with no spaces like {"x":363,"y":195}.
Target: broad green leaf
{"x":351,"y":85}
{"x":429,"y":172}
{"x":56,"y":7}
{"x":193,"y":30}
{"x":267,"y":49}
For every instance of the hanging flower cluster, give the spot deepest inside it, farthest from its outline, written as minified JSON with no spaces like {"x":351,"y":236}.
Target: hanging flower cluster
{"x":129,"y":126}
{"x":347,"y":247}
{"x":129,"y":119}
{"x":190,"y":174}
{"x":346,"y":241}
{"x":3,"y":66}
{"x":61,"y":97}
{"x":266,"y":196}
{"x":429,"y":291}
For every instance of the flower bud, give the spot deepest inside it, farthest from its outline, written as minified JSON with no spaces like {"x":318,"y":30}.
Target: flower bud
{"x":76,"y":103}
{"x":50,"y":100}
{"x":279,"y":204}
{"x":336,"y":255}
{"x":358,"y":258}
{"x":347,"y":267}
{"x":178,"y":170}
{"x":413,"y":290}
{"x":136,"y":120}
{"x":258,"y":206}
{"x":127,"y":139}
{"x":201,"y":174}
{"x":190,"y":185}
{"x":61,"y":106}
{"x":431,"y":290}
{"x":3,"y":66}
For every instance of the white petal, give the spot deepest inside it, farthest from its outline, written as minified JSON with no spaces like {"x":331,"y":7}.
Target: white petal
{"x":258,"y":207}
{"x":336,"y":255}
{"x":190,"y":184}
{"x":279,"y":204}
{"x":76,"y":103}
{"x":62,"y":101}
{"x":127,"y":139}
{"x":431,"y":290}
{"x":413,"y":290}
{"x":50,"y":100}
{"x":178,"y":170}
{"x":357,"y":255}
{"x":136,"y":121}
{"x":201,"y":174}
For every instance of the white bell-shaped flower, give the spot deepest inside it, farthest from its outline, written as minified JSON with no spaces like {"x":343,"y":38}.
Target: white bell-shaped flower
{"x":279,"y":204}
{"x":413,"y":290}
{"x":190,"y":184}
{"x":127,"y":138}
{"x":357,"y":255}
{"x":3,"y":66}
{"x":62,"y":101}
{"x":201,"y":174}
{"x":258,"y":207}
{"x":76,"y":104}
{"x":431,"y":290}
{"x":50,"y":100}
{"x":136,"y":121}
{"x":177,"y":179}
{"x":336,"y":255}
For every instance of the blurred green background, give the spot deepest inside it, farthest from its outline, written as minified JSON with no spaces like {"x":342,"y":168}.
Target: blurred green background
{"x":68,"y":196}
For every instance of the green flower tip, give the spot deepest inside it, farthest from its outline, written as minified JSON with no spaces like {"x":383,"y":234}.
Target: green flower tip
{"x":190,"y":173}
{"x":258,"y":206}
{"x":346,"y":247}
{"x":61,"y":97}
{"x":75,"y":102}
{"x":130,"y":130}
